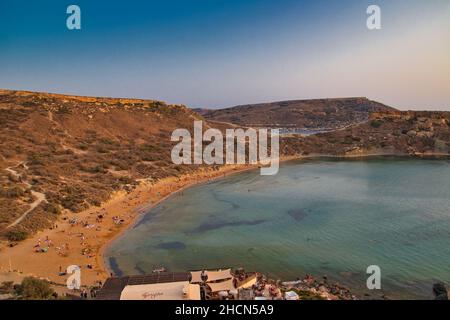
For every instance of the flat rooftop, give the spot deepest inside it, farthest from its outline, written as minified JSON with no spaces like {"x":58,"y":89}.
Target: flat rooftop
{"x":113,"y":287}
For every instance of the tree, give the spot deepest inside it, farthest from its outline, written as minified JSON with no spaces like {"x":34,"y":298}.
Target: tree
{"x":32,"y":288}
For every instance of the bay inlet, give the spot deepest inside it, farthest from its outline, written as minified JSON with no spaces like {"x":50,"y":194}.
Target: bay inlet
{"x":320,"y":217}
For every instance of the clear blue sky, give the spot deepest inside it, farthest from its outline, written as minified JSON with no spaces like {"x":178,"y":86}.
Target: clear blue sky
{"x":211,"y":53}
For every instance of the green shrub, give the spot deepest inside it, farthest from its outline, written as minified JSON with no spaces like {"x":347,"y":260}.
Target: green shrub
{"x":376,"y":123}
{"x":126,"y":180}
{"x":52,"y":208}
{"x":14,"y":192}
{"x":82,"y":146}
{"x":107,"y":141}
{"x":35,"y":159}
{"x":63,"y":110}
{"x":7,"y":287}
{"x":16,"y":235}
{"x":306,"y":295}
{"x":101,"y":149}
{"x":95,"y":202}
{"x":32,"y":288}
{"x":95,"y":169}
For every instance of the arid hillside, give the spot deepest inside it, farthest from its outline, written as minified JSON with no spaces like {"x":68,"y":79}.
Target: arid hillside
{"x":414,"y":133}
{"x":73,"y":152}
{"x":313,"y":114}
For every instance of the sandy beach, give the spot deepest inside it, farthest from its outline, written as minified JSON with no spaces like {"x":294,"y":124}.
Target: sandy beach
{"x":80,"y":238}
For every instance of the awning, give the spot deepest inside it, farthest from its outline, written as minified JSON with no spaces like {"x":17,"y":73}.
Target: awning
{"x":196,"y":277}
{"x":248,"y":283}
{"x":221,"y":286}
{"x":212,"y":275}
{"x":219,"y":275}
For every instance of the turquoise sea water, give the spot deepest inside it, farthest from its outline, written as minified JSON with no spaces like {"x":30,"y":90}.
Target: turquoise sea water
{"x":318,"y":217}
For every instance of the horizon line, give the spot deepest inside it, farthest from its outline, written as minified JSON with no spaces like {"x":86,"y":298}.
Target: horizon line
{"x":75,"y":96}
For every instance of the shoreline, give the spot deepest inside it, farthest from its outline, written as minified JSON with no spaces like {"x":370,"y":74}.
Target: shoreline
{"x":143,"y":211}
{"x":145,"y":197}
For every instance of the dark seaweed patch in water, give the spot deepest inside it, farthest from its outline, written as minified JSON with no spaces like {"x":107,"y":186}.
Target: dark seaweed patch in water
{"x":297,"y":214}
{"x":234,"y":206}
{"x":149,"y":216}
{"x":174,"y":245}
{"x":208,"y":226}
{"x":115,"y":267}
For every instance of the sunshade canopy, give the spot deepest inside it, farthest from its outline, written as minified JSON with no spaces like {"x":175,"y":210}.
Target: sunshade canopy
{"x":212,"y":275}
{"x":221,"y":286}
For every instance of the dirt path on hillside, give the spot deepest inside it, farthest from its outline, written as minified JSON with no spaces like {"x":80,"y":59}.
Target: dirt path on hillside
{"x":38,"y":195}
{"x":39,"y":198}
